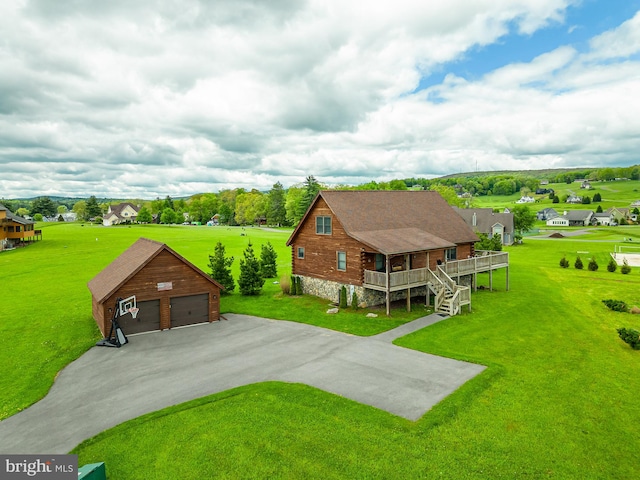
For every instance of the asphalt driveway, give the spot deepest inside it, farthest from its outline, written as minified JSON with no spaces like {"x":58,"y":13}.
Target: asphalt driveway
{"x":107,"y":386}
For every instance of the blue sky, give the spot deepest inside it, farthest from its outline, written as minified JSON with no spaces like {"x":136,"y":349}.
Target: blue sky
{"x":582,"y":22}
{"x":144,"y":99}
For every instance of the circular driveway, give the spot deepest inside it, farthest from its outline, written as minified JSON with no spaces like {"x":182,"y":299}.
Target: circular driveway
{"x":107,"y":386}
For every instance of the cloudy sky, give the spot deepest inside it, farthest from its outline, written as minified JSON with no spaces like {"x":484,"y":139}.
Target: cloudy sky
{"x":138,"y":99}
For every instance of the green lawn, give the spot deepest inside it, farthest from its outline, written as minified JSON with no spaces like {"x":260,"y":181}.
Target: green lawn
{"x":614,"y":194}
{"x":47,"y":321}
{"x":559,"y":399}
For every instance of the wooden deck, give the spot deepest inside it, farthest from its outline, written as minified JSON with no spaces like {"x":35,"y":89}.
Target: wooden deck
{"x":485,"y":261}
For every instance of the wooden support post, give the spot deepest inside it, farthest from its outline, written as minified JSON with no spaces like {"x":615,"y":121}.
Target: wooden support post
{"x":491,"y":280}
{"x":507,"y":278}
{"x":408,"y":299}
{"x":388,"y":286}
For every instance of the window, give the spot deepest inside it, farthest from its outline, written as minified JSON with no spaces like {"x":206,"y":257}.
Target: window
{"x":300,"y":252}
{"x":342,"y":261}
{"x":451,"y":254}
{"x":380,"y":266}
{"x":323,"y":225}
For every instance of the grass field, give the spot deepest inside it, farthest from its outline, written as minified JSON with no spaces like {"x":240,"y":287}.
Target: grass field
{"x":559,"y":399}
{"x":614,"y":194}
{"x":47,"y":322}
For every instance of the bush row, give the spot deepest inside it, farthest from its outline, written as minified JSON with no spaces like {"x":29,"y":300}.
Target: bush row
{"x":612,"y":266}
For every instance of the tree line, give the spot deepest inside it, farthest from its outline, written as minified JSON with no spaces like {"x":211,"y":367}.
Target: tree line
{"x":285,"y":207}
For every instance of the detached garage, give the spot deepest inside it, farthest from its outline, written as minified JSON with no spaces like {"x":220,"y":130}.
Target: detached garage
{"x":170,"y":291}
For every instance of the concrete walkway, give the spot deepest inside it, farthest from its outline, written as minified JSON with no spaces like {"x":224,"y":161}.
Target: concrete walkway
{"x":107,"y":386}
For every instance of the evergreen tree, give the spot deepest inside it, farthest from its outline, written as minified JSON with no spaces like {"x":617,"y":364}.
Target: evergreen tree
{"x":268,"y":257}
{"x":311,"y":189}
{"x":612,"y":266}
{"x":43,"y":205}
{"x":277,"y":213}
{"x":597,"y":198}
{"x":250,"y":281}
{"x":599,"y":209}
{"x":220,"y":268}
{"x":578,"y":264}
{"x":593,"y":265}
{"x":93,"y":209}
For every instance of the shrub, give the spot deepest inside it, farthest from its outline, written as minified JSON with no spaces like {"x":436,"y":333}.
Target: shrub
{"x":343,"y":297}
{"x":578,"y":264}
{"x":612,"y":266}
{"x":616,"y":305}
{"x":354,"y":300}
{"x":593,"y":265}
{"x":250,"y":281}
{"x":293,"y":285}
{"x":298,"y":286}
{"x":564,"y":263}
{"x":630,"y":336}
{"x":268,"y":258}
{"x":285,"y":284}
{"x":625,"y":268}
{"x":220,"y":268}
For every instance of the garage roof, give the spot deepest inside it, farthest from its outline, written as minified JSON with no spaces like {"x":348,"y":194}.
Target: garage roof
{"x":130,"y":262}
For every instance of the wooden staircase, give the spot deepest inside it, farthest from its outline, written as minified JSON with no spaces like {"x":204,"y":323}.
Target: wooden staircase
{"x":449,"y":296}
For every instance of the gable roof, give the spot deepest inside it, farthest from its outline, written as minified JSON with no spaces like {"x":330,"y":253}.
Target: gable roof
{"x":15,"y":218}
{"x":578,"y":215}
{"x":130,"y":262}
{"x":485,"y":219}
{"x":391,"y":221}
{"x":117,"y":209}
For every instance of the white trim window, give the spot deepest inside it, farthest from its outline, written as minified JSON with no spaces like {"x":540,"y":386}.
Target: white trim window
{"x":323,"y":225}
{"x":342,"y":261}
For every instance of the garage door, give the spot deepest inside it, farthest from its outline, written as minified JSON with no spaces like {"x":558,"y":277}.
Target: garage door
{"x":147,"y":320}
{"x":189,"y":310}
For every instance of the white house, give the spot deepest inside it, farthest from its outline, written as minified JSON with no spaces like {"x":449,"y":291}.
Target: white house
{"x":121,"y":213}
{"x":558,"y":222}
{"x":526,"y":199}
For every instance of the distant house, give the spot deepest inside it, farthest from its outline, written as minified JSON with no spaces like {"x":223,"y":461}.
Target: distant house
{"x":559,"y":221}
{"x":547,"y":214}
{"x":121,"y":213}
{"x":484,"y":220}
{"x":579,"y":218}
{"x":575,"y":199}
{"x":544,"y":191}
{"x":387,"y":245}
{"x":603,"y":218}
{"x":16,"y":230}
{"x":636,"y":204}
{"x":544,"y":182}
{"x":526,"y":199}
{"x":618,"y":214}
{"x":585,"y":184}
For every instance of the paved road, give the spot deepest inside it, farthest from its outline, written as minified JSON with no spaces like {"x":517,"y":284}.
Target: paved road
{"x":107,"y":386}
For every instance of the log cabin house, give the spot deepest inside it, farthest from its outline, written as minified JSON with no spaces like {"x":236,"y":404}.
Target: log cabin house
{"x":389,"y":245}
{"x":16,"y":230}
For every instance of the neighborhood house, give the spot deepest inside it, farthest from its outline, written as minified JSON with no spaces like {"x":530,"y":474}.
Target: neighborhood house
{"x":16,"y":230}
{"x":485,"y":220}
{"x":388,"y":245}
{"x":121,"y":213}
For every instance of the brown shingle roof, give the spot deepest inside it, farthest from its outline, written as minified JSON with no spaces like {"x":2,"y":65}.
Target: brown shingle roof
{"x":396,"y":221}
{"x":130,"y":262}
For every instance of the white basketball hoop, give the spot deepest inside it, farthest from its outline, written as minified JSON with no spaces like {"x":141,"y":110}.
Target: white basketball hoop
{"x":134,"y":311}
{"x":127,"y":304}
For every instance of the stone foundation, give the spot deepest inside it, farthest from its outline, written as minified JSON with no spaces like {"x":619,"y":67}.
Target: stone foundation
{"x":366,"y":297}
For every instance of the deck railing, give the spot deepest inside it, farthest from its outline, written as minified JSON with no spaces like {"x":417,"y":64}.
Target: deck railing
{"x":482,"y":262}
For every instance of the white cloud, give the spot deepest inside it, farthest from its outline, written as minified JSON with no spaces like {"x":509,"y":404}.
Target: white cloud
{"x":144,"y":99}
